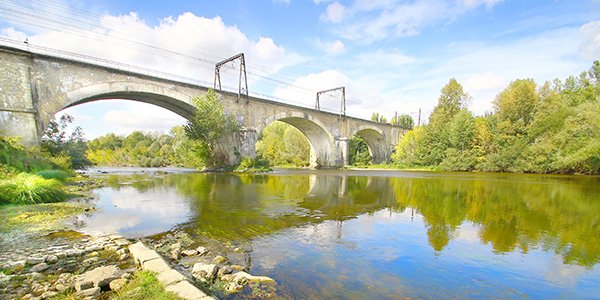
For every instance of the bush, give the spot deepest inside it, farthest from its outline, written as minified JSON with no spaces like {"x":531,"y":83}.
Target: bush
{"x":30,"y":189}
{"x":54,"y":174}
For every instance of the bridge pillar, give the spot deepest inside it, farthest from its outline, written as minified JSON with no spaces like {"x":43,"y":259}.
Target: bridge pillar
{"x":342,"y":146}
{"x":17,"y":99}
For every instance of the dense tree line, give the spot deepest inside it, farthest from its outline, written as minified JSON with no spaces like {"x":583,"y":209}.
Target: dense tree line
{"x":552,"y":128}
{"x":143,"y":149}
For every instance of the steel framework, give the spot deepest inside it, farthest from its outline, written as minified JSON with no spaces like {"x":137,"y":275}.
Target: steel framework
{"x":342,"y":102}
{"x":242,"y":73}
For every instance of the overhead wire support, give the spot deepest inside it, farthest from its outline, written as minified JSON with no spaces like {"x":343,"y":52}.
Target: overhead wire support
{"x":242,"y":72}
{"x":342,"y":102}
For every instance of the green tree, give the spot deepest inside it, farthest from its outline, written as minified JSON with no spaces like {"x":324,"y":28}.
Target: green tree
{"x":404,"y":120}
{"x":359,"y":151}
{"x":378,"y":118}
{"x":208,"y":127}
{"x":68,"y":151}
{"x":452,"y":99}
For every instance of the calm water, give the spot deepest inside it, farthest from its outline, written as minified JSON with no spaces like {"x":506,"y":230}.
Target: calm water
{"x":379,"y":234}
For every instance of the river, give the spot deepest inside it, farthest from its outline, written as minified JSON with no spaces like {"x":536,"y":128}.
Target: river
{"x":376,"y":234}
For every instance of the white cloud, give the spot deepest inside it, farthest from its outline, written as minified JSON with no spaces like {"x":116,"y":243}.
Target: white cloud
{"x":483,"y":82}
{"x":335,"y":13}
{"x":589,"y":48}
{"x":336,"y":47}
{"x":286,"y":2}
{"x":13,"y":34}
{"x":381,"y":19}
{"x":314,"y":82}
{"x":488,"y":3}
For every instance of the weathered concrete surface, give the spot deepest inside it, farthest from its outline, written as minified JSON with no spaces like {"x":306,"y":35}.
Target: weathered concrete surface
{"x":36,"y":87}
{"x":173,"y":281}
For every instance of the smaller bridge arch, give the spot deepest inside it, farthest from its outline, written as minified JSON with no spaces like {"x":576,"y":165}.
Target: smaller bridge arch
{"x":376,"y":142}
{"x":320,"y":140}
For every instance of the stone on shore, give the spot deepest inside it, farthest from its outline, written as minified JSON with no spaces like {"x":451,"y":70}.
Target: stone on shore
{"x":204,"y":272}
{"x":102,"y":276}
{"x":93,"y":293}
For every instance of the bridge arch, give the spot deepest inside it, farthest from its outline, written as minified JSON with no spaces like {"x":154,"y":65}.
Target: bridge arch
{"x":174,"y":101}
{"x":320,"y":140}
{"x":376,"y":142}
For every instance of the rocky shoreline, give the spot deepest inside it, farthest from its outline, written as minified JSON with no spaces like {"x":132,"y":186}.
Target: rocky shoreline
{"x":93,"y":267}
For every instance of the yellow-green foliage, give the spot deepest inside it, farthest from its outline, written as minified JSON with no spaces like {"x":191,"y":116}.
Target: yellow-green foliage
{"x":29,"y":189}
{"x":144,"y":285}
{"x":37,"y":217}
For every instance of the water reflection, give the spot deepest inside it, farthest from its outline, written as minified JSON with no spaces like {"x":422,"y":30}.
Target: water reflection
{"x":347,"y":235}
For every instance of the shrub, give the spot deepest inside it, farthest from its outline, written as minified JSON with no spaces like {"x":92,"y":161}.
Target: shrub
{"x":29,"y":189}
{"x":54,"y":174}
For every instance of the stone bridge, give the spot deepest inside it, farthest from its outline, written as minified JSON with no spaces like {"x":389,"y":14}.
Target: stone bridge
{"x":34,"y":87}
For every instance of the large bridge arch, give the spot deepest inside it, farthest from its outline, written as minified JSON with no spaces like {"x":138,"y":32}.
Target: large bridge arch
{"x":321,"y":141}
{"x":174,"y":101}
{"x":376,"y":142}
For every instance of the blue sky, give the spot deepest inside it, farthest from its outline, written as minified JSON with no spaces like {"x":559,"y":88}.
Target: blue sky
{"x":391,"y":55}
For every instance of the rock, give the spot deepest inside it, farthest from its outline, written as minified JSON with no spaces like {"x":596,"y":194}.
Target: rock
{"x":75,"y":252}
{"x":189,"y":252}
{"x":35,"y":276}
{"x":111,"y":248}
{"x":219,"y":259}
{"x":202,"y":250}
{"x":170,"y":277}
{"x":156,"y":265}
{"x":82,"y":284}
{"x":49,"y":295}
{"x":204,"y":272}
{"x":34,"y":260}
{"x":117,"y":284}
{"x":122,"y":251}
{"x":94,"y":254}
{"x":40,"y":267}
{"x":52,"y":259}
{"x":176,"y":253}
{"x":61,"y":287}
{"x":224,"y":270}
{"x":93,"y":248}
{"x":121,"y":242}
{"x":116,"y":237}
{"x":238,"y":267}
{"x":91,"y":260}
{"x":89,"y":293}
{"x":234,"y":287}
{"x":123,"y":256}
{"x":186,"y":290}
{"x":102,"y":276}
{"x":176,"y":246}
{"x":243,"y":276}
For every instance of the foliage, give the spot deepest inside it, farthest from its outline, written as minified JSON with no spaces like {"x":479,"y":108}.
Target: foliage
{"x":209,"y":126}
{"x":378,"y":118}
{"x":25,"y":188}
{"x":14,"y":158}
{"x":282,"y":144}
{"x":67,"y":152}
{"x":54,"y":174}
{"x":143,"y":285}
{"x":553,"y":128}
{"x":251,"y":165}
{"x":359,"y":151}
{"x":143,"y":149}
{"x":405,"y":121}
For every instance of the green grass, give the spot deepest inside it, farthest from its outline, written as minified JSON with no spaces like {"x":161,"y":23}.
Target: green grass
{"x":143,"y":285}
{"x":54,"y":174}
{"x":30,"y":189}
